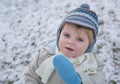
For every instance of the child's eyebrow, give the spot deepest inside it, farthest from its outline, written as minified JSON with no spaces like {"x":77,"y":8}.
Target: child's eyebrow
{"x":65,"y":32}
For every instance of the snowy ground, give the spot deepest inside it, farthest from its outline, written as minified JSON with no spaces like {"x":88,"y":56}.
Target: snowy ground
{"x":28,"y":25}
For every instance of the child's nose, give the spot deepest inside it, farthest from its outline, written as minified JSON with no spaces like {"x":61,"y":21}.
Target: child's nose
{"x":71,"y":41}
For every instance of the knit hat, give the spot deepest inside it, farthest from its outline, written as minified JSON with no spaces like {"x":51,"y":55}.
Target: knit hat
{"x":82,"y":16}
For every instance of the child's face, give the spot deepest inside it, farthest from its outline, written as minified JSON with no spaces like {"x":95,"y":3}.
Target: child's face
{"x":73,"y":40}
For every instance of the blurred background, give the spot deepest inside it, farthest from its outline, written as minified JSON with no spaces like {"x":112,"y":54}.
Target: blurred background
{"x":28,"y":25}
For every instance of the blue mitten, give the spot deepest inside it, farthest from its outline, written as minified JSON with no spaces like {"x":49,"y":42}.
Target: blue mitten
{"x":66,"y":70}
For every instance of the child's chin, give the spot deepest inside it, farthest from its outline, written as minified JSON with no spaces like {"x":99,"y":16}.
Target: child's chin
{"x":70,"y":56}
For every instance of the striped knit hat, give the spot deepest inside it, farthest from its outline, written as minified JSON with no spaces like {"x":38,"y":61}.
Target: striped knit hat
{"x":82,"y":16}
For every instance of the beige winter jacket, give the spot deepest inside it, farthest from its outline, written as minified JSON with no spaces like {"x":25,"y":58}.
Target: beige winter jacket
{"x":31,"y":76}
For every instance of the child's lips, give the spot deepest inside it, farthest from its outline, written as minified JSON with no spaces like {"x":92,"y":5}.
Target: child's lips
{"x":69,"y":49}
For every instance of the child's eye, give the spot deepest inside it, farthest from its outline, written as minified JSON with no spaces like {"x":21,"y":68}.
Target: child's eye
{"x":79,"y":39}
{"x":66,"y":35}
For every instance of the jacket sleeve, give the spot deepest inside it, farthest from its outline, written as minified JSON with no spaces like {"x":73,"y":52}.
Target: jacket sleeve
{"x":30,"y":75}
{"x":96,"y":78}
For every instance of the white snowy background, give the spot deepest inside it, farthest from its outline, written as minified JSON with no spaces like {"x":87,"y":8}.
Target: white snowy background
{"x":28,"y":25}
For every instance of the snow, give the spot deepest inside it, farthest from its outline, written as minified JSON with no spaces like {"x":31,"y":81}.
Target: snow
{"x":28,"y":25}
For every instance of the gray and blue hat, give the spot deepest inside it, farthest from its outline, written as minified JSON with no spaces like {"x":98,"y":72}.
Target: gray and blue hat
{"x":82,"y":16}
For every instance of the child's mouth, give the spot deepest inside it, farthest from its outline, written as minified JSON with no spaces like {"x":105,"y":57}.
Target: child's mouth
{"x":69,"y":49}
